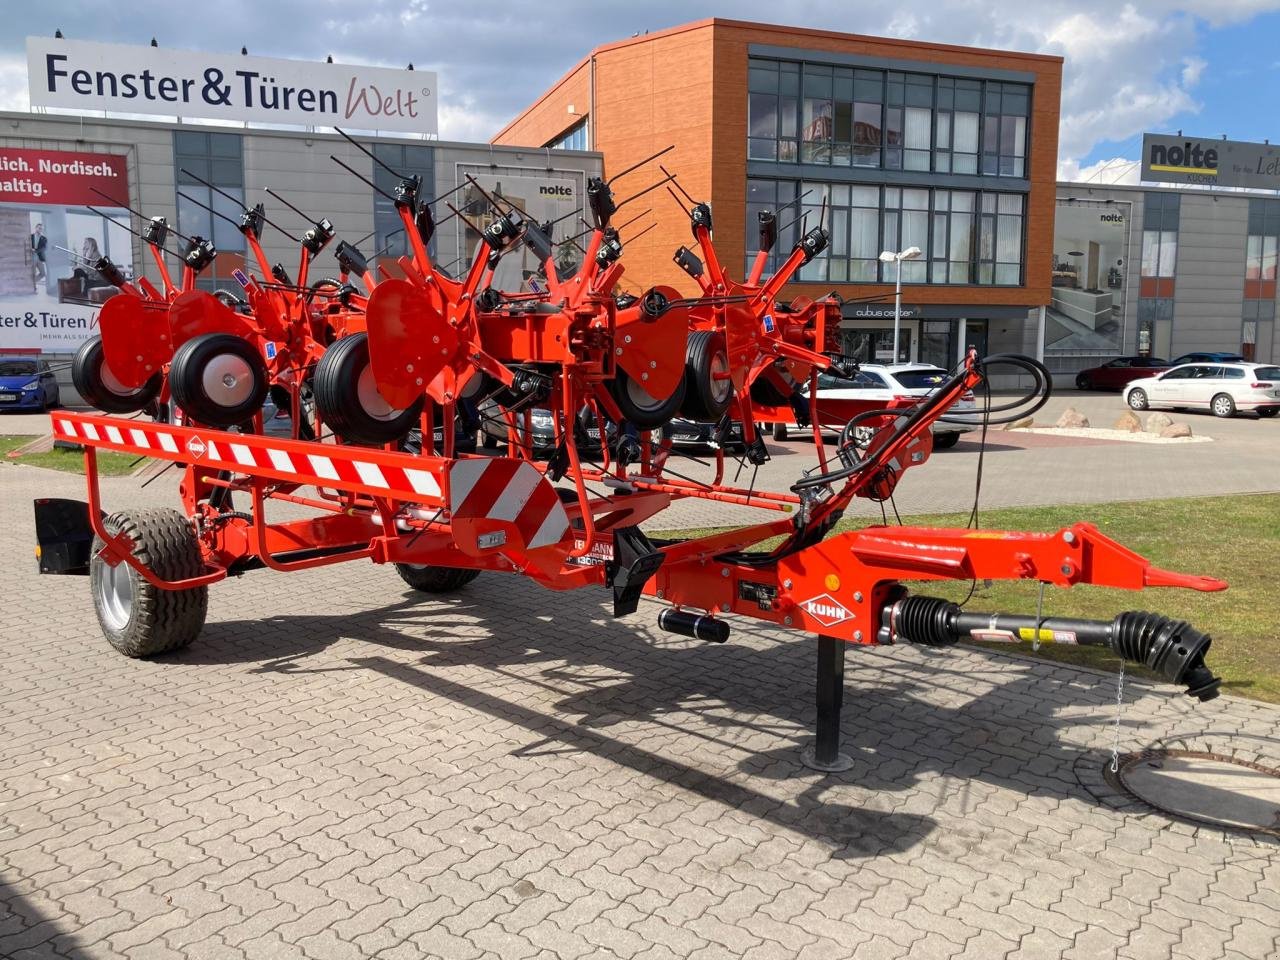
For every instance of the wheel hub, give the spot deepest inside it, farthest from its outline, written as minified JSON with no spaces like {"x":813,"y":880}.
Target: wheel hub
{"x":640,"y":396}
{"x":115,"y":595}
{"x":371,"y":401}
{"x":227,"y":380}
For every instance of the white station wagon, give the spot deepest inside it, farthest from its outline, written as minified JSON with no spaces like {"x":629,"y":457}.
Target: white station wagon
{"x":1222,"y":388}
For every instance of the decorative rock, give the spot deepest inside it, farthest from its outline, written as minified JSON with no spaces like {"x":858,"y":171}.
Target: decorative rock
{"x":1175,"y":430}
{"x":1020,"y":423}
{"x":1158,"y":421}
{"x":1072,"y":419}
{"x":1129,"y":422}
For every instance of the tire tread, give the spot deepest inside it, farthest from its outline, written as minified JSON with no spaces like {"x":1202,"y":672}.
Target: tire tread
{"x":161,"y":621}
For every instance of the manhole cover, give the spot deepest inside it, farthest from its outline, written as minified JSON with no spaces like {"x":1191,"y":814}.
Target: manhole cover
{"x":1203,"y":788}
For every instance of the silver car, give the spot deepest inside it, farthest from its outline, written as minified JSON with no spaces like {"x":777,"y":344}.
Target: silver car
{"x":1221,"y":388}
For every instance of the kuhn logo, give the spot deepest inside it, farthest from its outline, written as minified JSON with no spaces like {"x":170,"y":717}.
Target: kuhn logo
{"x":827,"y":610}
{"x":195,"y":447}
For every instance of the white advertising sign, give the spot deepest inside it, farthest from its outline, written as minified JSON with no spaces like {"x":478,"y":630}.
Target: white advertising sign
{"x":82,"y":75}
{"x":541,"y":197}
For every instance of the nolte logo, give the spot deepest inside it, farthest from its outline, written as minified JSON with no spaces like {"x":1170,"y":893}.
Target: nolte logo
{"x":1188,"y":158}
{"x":827,"y":610}
{"x":556,"y":191}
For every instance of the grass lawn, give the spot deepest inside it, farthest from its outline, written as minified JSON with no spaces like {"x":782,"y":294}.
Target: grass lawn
{"x":110,"y":464}
{"x":1234,"y":538}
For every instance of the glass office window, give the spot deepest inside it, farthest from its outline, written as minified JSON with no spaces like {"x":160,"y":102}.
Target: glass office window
{"x":218,"y":159}
{"x":575,"y":138}
{"x":819,"y":113}
{"x":389,"y":238}
{"x":965,"y":236}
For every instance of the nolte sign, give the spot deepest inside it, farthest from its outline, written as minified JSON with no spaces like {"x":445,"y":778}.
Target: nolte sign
{"x":1226,"y":163}
{"x":105,"y":76}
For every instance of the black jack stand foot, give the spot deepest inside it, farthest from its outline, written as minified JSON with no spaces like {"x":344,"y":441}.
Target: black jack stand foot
{"x":824,"y":753}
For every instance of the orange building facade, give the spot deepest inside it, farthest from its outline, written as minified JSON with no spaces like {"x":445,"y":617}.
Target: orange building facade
{"x":895,"y":144}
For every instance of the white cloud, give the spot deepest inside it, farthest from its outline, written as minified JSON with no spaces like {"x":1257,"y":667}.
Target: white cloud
{"x":1130,"y":66}
{"x":1114,"y":170}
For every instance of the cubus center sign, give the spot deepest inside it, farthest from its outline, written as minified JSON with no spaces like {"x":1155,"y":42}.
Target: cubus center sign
{"x":82,"y":75}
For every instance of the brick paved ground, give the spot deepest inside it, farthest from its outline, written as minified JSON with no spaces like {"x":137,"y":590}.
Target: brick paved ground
{"x":341,"y":769}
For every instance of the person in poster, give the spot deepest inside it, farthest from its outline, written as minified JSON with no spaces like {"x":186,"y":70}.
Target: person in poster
{"x":39,"y":244}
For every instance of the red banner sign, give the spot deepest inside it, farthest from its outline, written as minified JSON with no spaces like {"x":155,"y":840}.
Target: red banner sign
{"x":62,"y":178}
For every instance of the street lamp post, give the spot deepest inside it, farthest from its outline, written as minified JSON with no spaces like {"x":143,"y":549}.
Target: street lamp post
{"x":890,"y":256}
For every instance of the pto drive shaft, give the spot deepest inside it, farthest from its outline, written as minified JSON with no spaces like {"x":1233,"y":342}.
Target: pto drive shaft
{"x":1171,"y":648}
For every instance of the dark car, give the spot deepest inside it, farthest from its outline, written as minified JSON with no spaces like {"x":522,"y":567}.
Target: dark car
{"x":493,"y":430}
{"x":695,"y":433}
{"x":1118,"y":373}
{"x":1208,"y":358}
{"x":27,"y":384}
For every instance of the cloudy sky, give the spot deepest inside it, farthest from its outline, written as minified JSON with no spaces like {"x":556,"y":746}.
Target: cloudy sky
{"x":1160,"y":65}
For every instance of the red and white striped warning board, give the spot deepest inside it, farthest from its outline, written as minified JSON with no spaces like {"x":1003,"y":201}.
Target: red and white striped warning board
{"x":508,"y":491}
{"x":398,"y":476}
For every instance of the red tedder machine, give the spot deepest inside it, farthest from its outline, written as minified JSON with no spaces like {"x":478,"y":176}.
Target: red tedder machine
{"x":421,"y":345}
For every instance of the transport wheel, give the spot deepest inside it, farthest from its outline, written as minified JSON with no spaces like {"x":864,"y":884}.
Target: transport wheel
{"x":138,"y":619}
{"x":707,"y":389}
{"x":430,"y":579}
{"x":639,"y":407}
{"x":779,"y":431}
{"x":1223,"y":405}
{"x":94,"y":382}
{"x":1138,"y":399}
{"x":945,"y":441}
{"x":218,"y":379}
{"x":347,"y":396}
{"x":1083,"y":382}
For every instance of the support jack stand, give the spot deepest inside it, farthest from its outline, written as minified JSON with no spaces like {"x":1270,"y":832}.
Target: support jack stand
{"x":824,"y":753}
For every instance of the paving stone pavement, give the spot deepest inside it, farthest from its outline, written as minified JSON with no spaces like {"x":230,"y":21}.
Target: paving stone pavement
{"x":339,"y":768}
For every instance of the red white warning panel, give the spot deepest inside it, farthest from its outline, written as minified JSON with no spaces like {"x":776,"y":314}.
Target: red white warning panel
{"x":380,"y":473}
{"x":508,"y":491}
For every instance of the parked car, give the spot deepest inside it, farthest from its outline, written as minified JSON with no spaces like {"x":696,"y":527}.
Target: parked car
{"x":1208,"y":358}
{"x":1222,"y":388}
{"x":27,"y":384}
{"x":694,"y":433}
{"x":1118,"y":373}
{"x":892,"y":385}
{"x":493,"y":430}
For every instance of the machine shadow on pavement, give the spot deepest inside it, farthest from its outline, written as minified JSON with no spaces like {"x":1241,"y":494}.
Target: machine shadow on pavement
{"x":925,"y":721}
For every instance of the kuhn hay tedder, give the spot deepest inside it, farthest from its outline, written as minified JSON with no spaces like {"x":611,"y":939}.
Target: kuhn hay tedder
{"x":381,"y":365}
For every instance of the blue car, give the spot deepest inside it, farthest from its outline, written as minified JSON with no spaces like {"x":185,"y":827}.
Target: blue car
{"x":27,"y":384}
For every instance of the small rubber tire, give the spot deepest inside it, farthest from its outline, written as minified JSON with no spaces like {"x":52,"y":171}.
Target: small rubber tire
{"x":429,"y":579}
{"x":1137,"y":399}
{"x":198,"y":377}
{"x":779,"y":431}
{"x":347,"y":398}
{"x":138,"y":619}
{"x":1083,"y":382}
{"x":638,"y":407}
{"x":945,"y":441}
{"x":1223,"y":406}
{"x":92,"y":383}
{"x":1268,"y":412}
{"x":706,"y":396}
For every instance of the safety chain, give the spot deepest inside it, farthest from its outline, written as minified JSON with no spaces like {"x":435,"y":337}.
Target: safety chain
{"x":1115,"y":748}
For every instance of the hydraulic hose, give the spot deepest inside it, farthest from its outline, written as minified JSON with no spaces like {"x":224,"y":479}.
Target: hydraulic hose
{"x":1024,"y":405}
{"x":1171,"y":648}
